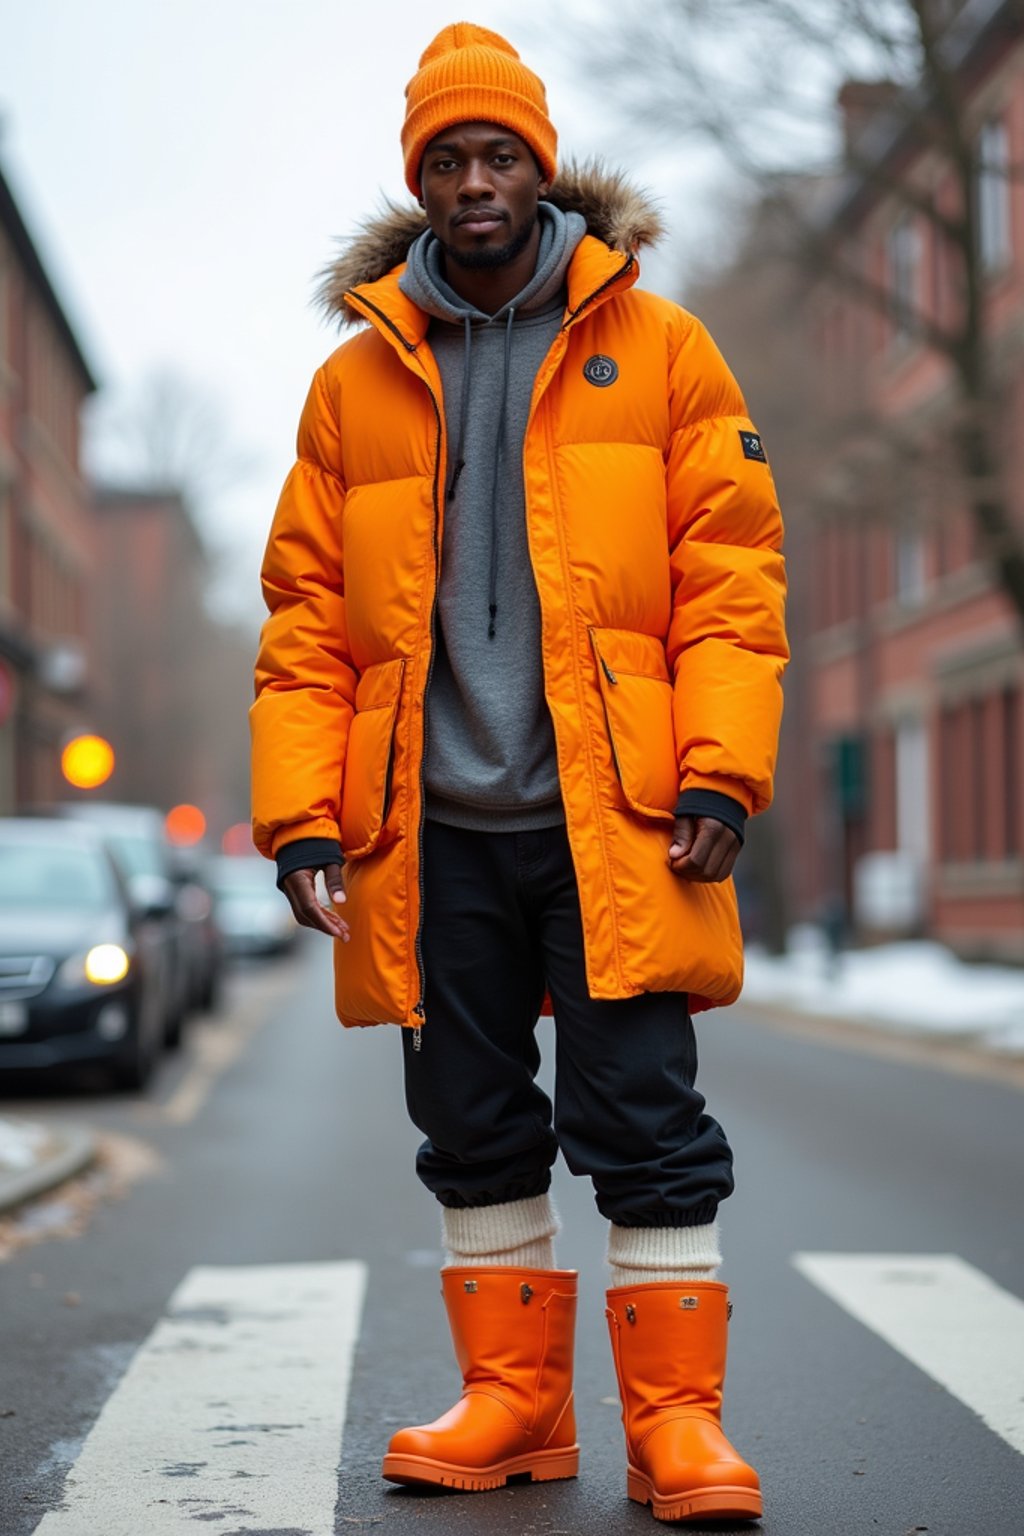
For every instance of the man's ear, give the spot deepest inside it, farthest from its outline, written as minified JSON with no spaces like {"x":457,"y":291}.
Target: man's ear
{"x":543,"y":188}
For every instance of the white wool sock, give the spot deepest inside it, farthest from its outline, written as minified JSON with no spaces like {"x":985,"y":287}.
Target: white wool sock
{"x":519,"y":1232}
{"x":638,"y":1255}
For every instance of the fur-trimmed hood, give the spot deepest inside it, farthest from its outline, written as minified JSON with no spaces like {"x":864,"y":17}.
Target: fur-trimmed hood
{"x":621,"y":215}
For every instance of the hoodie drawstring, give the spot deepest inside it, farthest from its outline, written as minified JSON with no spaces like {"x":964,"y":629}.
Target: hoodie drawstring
{"x":459,"y":463}
{"x":499,"y":446}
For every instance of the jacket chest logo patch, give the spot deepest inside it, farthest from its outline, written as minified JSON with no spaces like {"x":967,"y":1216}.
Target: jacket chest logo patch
{"x":600,"y":370}
{"x":753,"y":448}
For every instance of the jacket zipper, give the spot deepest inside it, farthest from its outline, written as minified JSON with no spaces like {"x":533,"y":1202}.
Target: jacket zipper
{"x":419,"y":1008}
{"x":627,"y":265}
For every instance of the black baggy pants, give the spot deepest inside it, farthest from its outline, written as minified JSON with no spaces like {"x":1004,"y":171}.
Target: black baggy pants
{"x":501,"y":920}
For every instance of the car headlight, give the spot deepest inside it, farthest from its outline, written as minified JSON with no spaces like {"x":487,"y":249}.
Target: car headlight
{"x":103,"y":966}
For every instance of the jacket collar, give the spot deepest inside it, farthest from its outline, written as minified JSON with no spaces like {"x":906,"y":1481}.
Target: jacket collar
{"x":595,"y":273}
{"x":362,"y":282}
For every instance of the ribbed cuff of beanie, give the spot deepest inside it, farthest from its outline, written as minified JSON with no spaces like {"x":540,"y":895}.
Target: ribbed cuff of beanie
{"x":515,"y":1232}
{"x":638,"y":1255}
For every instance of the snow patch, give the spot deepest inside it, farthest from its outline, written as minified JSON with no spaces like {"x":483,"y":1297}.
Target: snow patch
{"x":918,"y":986}
{"x":23,"y":1144}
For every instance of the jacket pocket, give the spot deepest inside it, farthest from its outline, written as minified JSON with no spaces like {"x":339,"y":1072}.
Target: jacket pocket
{"x":366,"y":792}
{"x":633,"y":677}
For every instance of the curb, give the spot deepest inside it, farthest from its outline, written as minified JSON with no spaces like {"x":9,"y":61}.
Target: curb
{"x":79,"y":1149}
{"x":961,"y":1055}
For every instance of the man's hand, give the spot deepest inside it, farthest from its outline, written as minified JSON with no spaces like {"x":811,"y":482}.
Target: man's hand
{"x":300,"y":888}
{"x":703,"y":849}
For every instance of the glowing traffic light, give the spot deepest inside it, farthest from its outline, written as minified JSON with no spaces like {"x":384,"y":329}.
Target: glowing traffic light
{"x":184,"y":825}
{"x":87,"y":761}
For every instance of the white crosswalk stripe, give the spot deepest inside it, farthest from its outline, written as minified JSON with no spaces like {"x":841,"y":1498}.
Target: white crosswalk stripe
{"x":230,"y":1414}
{"x":949,"y":1318}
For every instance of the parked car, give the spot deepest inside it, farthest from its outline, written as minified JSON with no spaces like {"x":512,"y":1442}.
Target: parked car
{"x":135,"y":834}
{"x":254,"y":917}
{"x":82,"y":975}
{"x":197,"y":905}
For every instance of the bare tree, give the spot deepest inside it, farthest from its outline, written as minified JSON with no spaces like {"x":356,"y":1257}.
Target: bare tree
{"x":759,"y":83}
{"x":167,"y":432}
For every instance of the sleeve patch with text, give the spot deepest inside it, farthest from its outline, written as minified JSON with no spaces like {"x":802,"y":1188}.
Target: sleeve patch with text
{"x":753,"y":447}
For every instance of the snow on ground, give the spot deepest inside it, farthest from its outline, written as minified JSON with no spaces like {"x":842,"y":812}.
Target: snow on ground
{"x":23,"y":1144}
{"x":918,"y":986}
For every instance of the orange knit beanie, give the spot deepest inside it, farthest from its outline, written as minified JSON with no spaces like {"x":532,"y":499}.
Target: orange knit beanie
{"x":470,"y":75}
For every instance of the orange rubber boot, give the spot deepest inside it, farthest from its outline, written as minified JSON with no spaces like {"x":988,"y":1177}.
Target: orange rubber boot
{"x":513,"y":1334}
{"x":668,"y":1340}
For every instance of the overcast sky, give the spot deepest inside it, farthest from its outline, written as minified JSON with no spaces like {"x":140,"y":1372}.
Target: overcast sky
{"x":185,"y":166}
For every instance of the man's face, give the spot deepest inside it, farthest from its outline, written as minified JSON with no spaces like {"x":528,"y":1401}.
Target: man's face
{"x":480,"y":187}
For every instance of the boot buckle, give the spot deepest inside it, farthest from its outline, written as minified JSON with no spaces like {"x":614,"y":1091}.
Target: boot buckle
{"x":630,"y":1312}
{"x":469,"y":1285}
{"x":525,"y":1291}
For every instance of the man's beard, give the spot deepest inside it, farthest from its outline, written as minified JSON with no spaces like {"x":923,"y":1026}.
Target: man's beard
{"x":494,"y":256}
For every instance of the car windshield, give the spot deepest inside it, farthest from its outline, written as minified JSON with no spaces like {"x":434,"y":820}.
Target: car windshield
{"x":137,"y":855}
{"x":46,"y":875}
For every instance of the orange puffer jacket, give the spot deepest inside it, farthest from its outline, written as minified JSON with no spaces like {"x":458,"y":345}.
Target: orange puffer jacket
{"x":654,"y":534}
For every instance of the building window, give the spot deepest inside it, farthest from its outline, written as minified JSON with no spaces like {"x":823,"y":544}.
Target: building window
{"x":913,"y":798}
{"x":993,"y":209}
{"x":948,"y":801}
{"x":980,"y":768}
{"x":1010,"y":721}
{"x":903,"y":260}
{"x":978,"y":799}
{"x":909,"y":565}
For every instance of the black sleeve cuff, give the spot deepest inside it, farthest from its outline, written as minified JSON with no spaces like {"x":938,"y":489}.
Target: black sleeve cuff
{"x":307,"y":853}
{"x":708,"y":802}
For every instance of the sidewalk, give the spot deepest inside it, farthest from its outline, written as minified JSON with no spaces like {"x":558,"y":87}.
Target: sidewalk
{"x":916,"y":989}
{"x":35,"y":1157}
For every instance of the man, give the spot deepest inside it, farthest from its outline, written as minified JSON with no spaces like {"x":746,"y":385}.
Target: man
{"x":522,"y":671}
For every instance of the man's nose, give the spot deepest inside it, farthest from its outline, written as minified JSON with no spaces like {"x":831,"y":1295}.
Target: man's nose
{"x":477,"y":184}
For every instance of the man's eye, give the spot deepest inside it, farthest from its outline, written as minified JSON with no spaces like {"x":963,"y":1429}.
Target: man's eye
{"x":505,"y":159}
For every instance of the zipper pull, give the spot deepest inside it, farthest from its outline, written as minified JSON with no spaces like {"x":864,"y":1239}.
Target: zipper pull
{"x":417,"y":1033}
{"x":609,"y":674}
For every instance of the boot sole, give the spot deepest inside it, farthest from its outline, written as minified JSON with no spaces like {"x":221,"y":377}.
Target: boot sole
{"x":541,"y":1466}
{"x":716,"y":1503}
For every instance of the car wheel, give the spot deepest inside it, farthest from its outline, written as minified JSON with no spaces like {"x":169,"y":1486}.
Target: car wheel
{"x":174,"y":1027}
{"x":133,"y":1068}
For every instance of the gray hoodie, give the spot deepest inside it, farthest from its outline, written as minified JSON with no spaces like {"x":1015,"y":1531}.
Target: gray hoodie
{"x":490,"y":758}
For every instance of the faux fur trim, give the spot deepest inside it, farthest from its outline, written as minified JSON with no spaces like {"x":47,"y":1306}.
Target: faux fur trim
{"x":621,"y":215}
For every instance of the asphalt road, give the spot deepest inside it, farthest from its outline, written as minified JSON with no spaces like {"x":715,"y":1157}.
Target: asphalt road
{"x":279,"y":1139}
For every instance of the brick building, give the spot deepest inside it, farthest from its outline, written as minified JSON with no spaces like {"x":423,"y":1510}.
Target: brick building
{"x":46,"y":533}
{"x":151,"y":639}
{"x":914,"y":692}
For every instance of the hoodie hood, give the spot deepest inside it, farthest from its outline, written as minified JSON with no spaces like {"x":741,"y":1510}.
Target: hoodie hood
{"x":423,"y":280}
{"x":622,"y":216}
